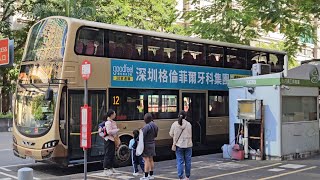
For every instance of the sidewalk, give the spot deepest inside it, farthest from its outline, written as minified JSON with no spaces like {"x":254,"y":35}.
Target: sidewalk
{"x":215,"y":167}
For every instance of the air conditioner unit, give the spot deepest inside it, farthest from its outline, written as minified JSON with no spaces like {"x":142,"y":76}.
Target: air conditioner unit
{"x":260,"y":69}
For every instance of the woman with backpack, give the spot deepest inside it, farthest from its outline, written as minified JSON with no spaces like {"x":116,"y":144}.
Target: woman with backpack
{"x":111,"y":131}
{"x":181,"y":132}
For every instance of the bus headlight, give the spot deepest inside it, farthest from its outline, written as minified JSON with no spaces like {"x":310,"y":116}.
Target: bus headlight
{"x":50,"y":144}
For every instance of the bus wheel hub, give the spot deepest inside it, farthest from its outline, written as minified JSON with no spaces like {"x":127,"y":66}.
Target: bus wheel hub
{"x":123,"y":152}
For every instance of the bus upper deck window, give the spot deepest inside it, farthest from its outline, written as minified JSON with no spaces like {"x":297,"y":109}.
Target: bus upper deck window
{"x":90,"y":42}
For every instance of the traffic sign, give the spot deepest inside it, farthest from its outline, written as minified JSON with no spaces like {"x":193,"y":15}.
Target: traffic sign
{"x":4,"y":52}
{"x":85,"y":131}
{"x":86,"y":69}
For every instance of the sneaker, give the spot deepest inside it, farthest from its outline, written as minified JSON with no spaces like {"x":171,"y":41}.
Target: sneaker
{"x":136,"y":174}
{"x":144,"y":178}
{"x":151,"y":177}
{"x":113,"y":170}
{"x":108,"y":172}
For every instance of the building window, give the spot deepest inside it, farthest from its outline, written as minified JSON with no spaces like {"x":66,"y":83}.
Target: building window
{"x":301,"y":108}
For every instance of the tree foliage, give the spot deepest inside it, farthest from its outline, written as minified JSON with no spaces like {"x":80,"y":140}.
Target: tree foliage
{"x":158,"y":15}
{"x":240,"y":21}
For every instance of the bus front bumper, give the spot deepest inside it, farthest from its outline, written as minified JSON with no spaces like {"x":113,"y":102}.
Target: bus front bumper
{"x":36,"y":154}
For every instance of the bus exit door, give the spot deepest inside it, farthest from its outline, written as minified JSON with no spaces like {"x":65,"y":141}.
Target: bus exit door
{"x":194,"y":105}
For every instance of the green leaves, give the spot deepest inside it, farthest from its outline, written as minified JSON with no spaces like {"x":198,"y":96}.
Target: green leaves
{"x":244,"y":20}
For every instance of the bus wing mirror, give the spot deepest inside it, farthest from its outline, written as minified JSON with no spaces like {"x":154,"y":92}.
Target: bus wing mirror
{"x":49,"y":94}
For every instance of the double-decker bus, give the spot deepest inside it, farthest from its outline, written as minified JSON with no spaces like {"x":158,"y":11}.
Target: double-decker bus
{"x":133,"y":72}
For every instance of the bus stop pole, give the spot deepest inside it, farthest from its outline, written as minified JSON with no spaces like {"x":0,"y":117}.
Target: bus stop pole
{"x":84,"y":149}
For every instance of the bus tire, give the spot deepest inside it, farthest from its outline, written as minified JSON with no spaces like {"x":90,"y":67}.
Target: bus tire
{"x":123,"y":157}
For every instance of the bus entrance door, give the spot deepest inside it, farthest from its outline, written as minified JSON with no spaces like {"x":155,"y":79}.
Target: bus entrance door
{"x":194,"y":105}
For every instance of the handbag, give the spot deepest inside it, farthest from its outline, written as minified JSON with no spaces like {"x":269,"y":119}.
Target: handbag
{"x":117,"y":141}
{"x":140,"y":146}
{"x":174,"y":147}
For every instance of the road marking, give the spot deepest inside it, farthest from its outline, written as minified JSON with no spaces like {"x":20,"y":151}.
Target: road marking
{"x":5,"y":150}
{"x":8,"y":175}
{"x":5,"y":169}
{"x":14,"y":165}
{"x":276,"y":170}
{"x":293,"y":166}
{"x":157,"y":177}
{"x":291,"y":172}
{"x":100,"y":177}
{"x":237,"y":172}
{"x":161,"y":177}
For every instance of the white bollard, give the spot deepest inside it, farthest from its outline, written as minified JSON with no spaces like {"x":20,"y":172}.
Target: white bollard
{"x":25,"y":174}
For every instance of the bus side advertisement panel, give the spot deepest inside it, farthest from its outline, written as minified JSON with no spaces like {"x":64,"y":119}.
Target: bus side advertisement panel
{"x":137,"y":74}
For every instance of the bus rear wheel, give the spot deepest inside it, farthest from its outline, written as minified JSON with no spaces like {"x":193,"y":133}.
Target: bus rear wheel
{"x":123,"y":153}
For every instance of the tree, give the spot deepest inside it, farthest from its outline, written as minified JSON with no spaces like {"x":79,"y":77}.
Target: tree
{"x":9,"y":74}
{"x":158,"y":15}
{"x":241,"y":21}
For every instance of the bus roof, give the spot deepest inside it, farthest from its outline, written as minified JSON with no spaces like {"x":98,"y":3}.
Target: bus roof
{"x":310,"y":61}
{"x":164,"y":35}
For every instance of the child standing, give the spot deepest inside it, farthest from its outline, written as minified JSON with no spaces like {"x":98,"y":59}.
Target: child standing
{"x":136,"y":160}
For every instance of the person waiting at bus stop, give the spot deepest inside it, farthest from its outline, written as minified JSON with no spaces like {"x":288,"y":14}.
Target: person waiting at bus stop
{"x":109,"y":144}
{"x":150,"y":132}
{"x":181,"y":132}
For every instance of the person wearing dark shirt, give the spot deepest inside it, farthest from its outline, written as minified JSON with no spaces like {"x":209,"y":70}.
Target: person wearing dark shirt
{"x":150,"y":132}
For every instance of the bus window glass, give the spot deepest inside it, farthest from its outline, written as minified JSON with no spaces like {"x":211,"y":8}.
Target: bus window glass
{"x":47,"y":40}
{"x":236,"y":58}
{"x":62,"y":117}
{"x":125,"y":45}
{"x":279,"y":64}
{"x":260,"y":57}
{"x":34,"y":115}
{"x":218,"y":104}
{"x":215,"y":56}
{"x":132,"y":104}
{"x":161,"y":50}
{"x":90,"y":41}
{"x":153,"y":103}
{"x":128,"y":103}
{"x":169,"y":103}
{"x":192,"y":53}
{"x":96,"y":100}
{"x":186,"y":103}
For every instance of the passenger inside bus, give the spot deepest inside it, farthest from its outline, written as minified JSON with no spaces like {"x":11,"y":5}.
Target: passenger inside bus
{"x":187,"y":58}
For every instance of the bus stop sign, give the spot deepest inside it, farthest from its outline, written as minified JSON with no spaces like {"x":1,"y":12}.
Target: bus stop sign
{"x":86,"y":69}
{"x":86,"y":124}
{"x":4,"y":52}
